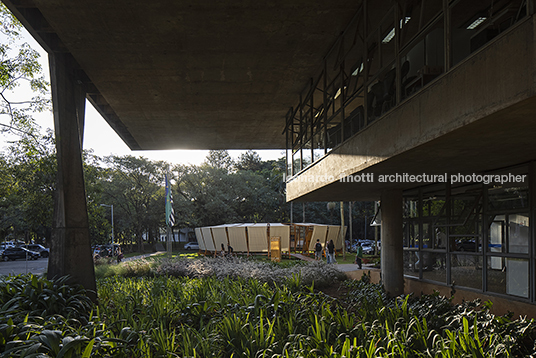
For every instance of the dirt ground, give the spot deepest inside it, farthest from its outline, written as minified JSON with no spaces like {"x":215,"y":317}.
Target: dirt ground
{"x":336,"y":290}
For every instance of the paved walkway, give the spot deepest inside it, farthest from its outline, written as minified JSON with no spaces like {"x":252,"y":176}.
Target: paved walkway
{"x":303,"y":257}
{"x":144,"y":256}
{"x":342,"y":267}
{"x":352,"y":267}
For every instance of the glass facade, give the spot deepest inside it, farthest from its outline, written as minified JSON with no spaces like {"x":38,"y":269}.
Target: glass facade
{"x":388,"y":53}
{"x":476,"y":236}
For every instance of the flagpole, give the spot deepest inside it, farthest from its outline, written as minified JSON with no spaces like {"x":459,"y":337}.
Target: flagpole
{"x":170,"y":216}
{"x":168,"y":249}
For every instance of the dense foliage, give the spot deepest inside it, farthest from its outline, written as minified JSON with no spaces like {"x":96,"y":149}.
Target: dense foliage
{"x":245,"y":190}
{"x":19,"y":68}
{"x":239,"y":317}
{"x":204,"y":194}
{"x":318,"y":272}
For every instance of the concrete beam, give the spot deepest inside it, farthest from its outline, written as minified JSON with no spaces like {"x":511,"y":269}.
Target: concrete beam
{"x":70,"y":249}
{"x":392,"y":254}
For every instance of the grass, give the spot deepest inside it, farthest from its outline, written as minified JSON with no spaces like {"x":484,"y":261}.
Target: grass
{"x":244,"y":317}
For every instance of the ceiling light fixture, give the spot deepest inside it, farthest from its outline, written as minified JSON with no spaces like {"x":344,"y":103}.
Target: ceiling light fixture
{"x":473,"y":25}
{"x":391,"y":33}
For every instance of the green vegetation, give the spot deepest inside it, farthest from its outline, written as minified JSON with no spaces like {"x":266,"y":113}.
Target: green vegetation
{"x":222,"y":267}
{"x":219,"y":314}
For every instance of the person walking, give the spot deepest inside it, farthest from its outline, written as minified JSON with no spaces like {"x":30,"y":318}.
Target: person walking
{"x":331,"y":252}
{"x":318,"y":250}
{"x":359,"y":255}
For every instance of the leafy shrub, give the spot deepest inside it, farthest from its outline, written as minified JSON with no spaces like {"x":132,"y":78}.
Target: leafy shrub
{"x":134,"y":268}
{"x":221,"y":315}
{"x":30,"y":295}
{"x":432,"y":324}
{"x":106,"y":260}
{"x":318,"y":272}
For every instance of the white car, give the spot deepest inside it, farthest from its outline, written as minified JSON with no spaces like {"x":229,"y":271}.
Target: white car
{"x":191,"y":246}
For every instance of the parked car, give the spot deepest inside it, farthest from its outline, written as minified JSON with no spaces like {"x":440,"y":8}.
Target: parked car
{"x":13,"y":253}
{"x":368,"y":247}
{"x":40,"y":249}
{"x":368,"y":250}
{"x":191,"y":246}
{"x":466,"y":245}
{"x":106,"y":250}
{"x":5,"y":245}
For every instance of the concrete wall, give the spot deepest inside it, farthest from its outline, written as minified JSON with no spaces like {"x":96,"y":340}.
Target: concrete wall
{"x":501,"y":305}
{"x":490,"y":90}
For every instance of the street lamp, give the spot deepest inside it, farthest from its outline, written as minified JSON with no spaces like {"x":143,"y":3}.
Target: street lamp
{"x":112,"y":207}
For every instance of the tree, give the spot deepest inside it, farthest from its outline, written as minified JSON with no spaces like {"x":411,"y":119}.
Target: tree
{"x":99,"y":217}
{"x":29,"y":178}
{"x":31,"y":159}
{"x":251,"y":161}
{"x":219,"y":159}
{"x":211,"y":194}
{"x":19,"y":67}
{"x":134,"y":185}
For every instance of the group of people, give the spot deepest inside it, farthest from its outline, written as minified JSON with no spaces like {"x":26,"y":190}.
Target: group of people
{"x":230,"y":250}
{"x":330,"y":253}
{"x":104,"y":252}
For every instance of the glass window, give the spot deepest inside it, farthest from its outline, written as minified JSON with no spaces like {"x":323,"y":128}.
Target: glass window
{"x":334,"y":133}
{"x":439,"y":238}
{"x":509,"y":233}
{"x":508,"y":276}
{"x":423,"y":60}
{"x":318,"y":144}
{"x":411,"y":234}
{"x":466,"y":270}
{"x":411,"y":207}
{"x":434,"y":201}
{"x":307,"y":154}
{"x":513,"y":194}
{"x":426,"y":234}
{"x":416,"y":15}
{"x":387,"y":38}
{"x":518,"y":233}
{"x":296,"y":160}
{"x":289,"y":154}
{"x":354,"y":119}
{"x":508,"y":198}
{"x":469,"y":243}
{"x":476,"y":22}
{"x":411,"y":263}
{"x":434,"y":266}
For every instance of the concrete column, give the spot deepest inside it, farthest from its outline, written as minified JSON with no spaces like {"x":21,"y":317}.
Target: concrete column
{"x":70,"y":249}
{"x":392,"y":255}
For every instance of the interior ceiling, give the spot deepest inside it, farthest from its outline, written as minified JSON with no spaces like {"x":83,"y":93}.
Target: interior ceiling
{"x":170,"y":74}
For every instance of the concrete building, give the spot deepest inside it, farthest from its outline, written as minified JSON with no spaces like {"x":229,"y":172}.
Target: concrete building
{"x":427,"y":106}
{"x":434,"y":117}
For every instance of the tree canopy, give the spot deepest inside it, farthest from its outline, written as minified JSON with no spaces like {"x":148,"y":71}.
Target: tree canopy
{"x":218,"y":191}
{"x":19,"y":68}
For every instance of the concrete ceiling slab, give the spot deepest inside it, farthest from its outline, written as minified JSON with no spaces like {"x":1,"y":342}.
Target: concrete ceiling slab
{"x":193,"y":74}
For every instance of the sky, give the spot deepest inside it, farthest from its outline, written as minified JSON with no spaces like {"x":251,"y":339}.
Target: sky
{"x":102,"y":139}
